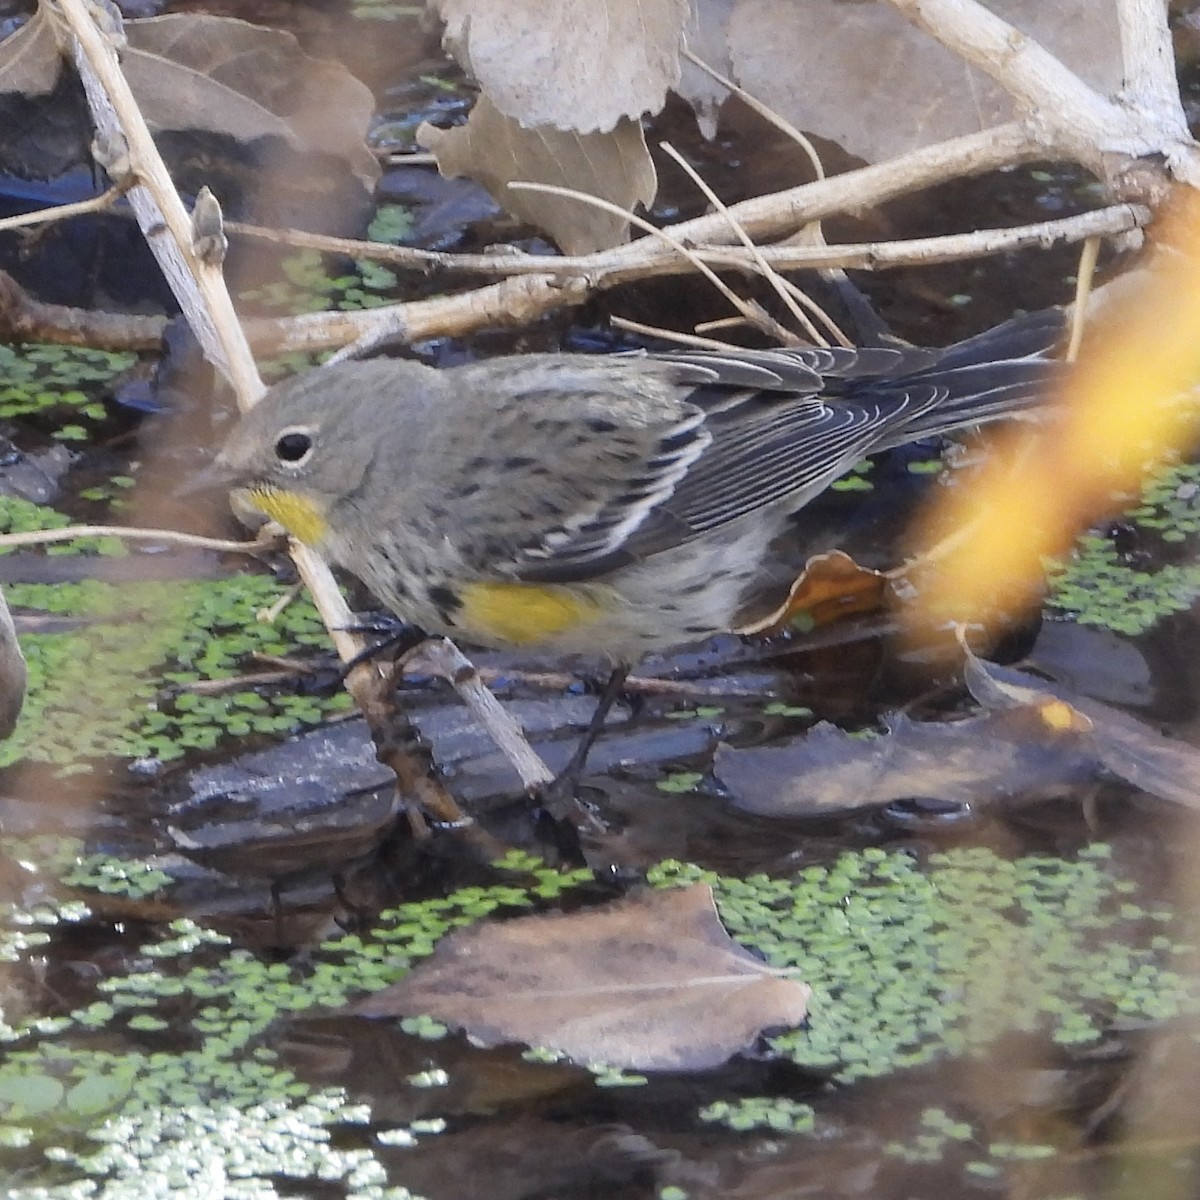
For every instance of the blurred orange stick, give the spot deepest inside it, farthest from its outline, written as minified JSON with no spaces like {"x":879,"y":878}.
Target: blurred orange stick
{"x":1121,"y":407}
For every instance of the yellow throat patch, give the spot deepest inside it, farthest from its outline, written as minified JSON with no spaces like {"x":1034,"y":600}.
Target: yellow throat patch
{"x":524,"y":613}
{"x":296,"y":513}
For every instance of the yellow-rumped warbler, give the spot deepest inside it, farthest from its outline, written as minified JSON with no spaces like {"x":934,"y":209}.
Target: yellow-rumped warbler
{"x":597,"y":505}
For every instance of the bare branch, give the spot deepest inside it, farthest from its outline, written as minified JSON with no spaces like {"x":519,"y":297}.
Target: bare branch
{"x":437,"y":656}
{"x":1073,"y":118}
{"x":199,"y":286}
{"x":549,"y":283}
{"x":913,"y":252}
{"x":749,"y":310}
{"x":60,"y":212}
{"x":166,"y":224}
{"x":517,"y":301}
{"x":1148,"y":58}
{"x":768,"y":273}
{"x":608,"y":268}
{"x":763,"y":217}
{"x":24,"y":319}
{"x":42,"y":537}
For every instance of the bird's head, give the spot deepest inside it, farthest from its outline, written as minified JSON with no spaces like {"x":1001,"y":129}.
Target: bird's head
{"x":310,"y":442}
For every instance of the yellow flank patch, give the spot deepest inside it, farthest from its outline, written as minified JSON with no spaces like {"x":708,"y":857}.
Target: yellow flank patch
{"x":1059,"y":716}
{"x":296,"y":513}
{"x":523,"y":613}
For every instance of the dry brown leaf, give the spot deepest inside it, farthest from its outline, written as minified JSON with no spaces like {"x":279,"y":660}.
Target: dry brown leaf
{"x":708,"y":40}
{"x":864,"y":77}
{"x":831,"y":587}
{"x":1037,"y":735}
{"x":191,"y":71}
{"x":1130,"y":749}
{"x":995,"y":756}
{"x":651,"y":983}
{"x":202,"y":72}
{"x":30,"y":58}
{"x":496,"y":150}
{"x":571,"y":64}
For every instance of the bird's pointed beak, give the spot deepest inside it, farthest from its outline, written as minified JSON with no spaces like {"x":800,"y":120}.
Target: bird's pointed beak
{"x":218,"y":476}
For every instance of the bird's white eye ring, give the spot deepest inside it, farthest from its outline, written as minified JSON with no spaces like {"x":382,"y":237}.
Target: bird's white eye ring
{"x":294,"y":447}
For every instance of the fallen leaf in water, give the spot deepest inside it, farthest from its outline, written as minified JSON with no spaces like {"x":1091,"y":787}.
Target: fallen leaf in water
{"x":198,"y":72}
{"x":796,"y":56}
{"x":575,"y":64}
{"x":495,"y":150}
{"x":831,"y":586}
{"x":1037,"y":735}
{"x":991,"y":757}
{"x":652,"y":982}
{"x":1127,"y":747}
{"x":30,"y":59}
{"x":191,"y":71}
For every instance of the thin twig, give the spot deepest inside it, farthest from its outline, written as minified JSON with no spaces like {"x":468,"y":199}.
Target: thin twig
{"x":24,"y":319}
{"x":672,"y":335}
{"x":747,"y":308}
{"x":770,"y":275}
{"x":199,"y":285}
{"x":234,"y":683}
{"x":60,"y":212}
{"x":1084,"y":278}
{"x":268,"y":616}
{"x":719,"y":323}
{"x":438,"y":656}
{"x":768,"y":114}
{"x":643,"y":685}
{"x":645,"y":257}
{"x":401,"y":158}
{"x":165,"y":223}
{"x":41,"y":537}
{"x":812,"y":233}
{"x":523,"y":298}
{"x":930,"y":251}
{"x":802,"y":297}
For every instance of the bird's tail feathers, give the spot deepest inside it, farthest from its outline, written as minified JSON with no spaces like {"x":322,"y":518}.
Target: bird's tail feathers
{"x":1029,"y":336}
{"x":1000,"y":373}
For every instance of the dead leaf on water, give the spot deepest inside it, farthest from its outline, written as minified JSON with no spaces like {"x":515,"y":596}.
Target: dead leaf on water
{"x":1035,"y":736}
{"x":652,"y":982}
{"x":991,"y":757}
{"x":909,"y":90}
{"x":1129,"y":748}
{"x":191,"y":71}
{"x":30,"y":58}
{"x":581,"y":65}
{"x":831,"y":587}
{"x":496,"y":150}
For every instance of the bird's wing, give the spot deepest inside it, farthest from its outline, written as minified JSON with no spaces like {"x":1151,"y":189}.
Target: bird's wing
{"x":567,"y":457}
{"x":789,"y":442}
{"x":805,"y":368}
{"x":770,"y":448}
{"x":631,"y":455}
{"x":627,"y":457}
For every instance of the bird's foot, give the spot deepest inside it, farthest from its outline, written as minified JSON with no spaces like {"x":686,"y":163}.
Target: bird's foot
{"x":392,"y":633}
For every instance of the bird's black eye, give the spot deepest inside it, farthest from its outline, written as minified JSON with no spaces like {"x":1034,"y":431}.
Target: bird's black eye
{"x":294,"y":446}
